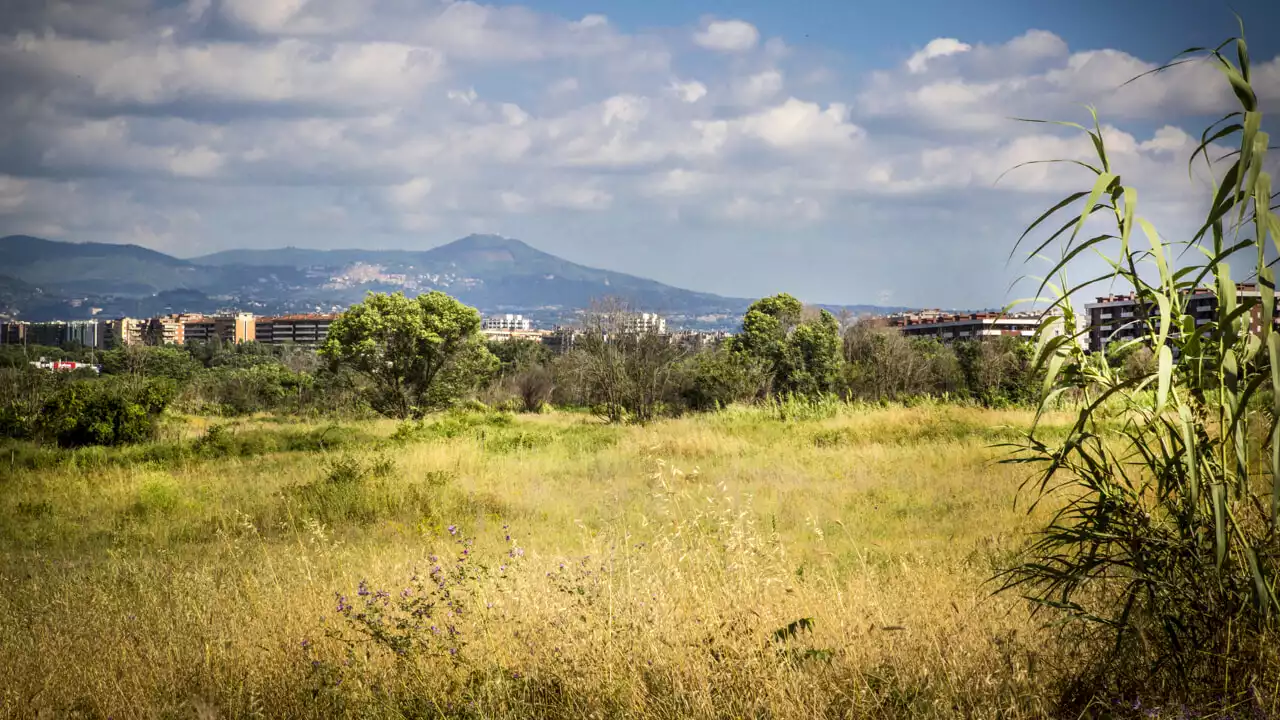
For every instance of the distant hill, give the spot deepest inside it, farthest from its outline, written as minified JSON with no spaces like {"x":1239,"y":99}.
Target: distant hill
{"x":490,"y":272}
{"x":96,"y":267}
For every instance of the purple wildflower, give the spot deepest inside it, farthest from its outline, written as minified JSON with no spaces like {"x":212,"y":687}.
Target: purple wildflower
{"x":453,"y":529}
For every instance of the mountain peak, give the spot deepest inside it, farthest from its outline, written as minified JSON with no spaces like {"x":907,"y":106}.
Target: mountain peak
{"x":486,"y":242}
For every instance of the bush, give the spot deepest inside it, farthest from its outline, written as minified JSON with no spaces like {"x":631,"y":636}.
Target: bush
{"x":156,"y":362}
{"x":103,"y":412}
{"x":717,"y":378}
{"x":246,"y":390}
{"x":534,"y":386}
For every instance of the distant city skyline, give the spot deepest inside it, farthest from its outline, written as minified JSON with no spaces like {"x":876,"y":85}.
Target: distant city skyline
{"x":842,"y":152}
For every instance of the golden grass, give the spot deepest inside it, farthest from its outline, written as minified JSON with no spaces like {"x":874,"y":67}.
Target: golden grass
{"x":187,"y":590}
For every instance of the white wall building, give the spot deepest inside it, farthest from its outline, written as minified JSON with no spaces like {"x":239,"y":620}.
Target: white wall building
{"x":507,"y":322}
{"x":647,"y":322}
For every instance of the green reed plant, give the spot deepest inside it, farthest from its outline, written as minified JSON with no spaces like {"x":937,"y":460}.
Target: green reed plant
{"x":1165,"y":544}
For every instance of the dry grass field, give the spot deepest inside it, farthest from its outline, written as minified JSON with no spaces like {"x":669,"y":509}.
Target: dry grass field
{"x":721,"y":566}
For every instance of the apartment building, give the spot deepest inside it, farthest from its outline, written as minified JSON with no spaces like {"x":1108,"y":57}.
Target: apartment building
{"x":122,"y":331}
{"x":237,"y":328}
{"x":950,"y":327}
{"x":505,"y":334}
{"x":645,"y":323}
{"x":1114,"y":318}
{"x":695,"y":340}
{"x":87,"y":333}
{"x":51,"y":334}
{"x":309,"y":329}
{"x":168,"y":329}
{"x":506,"y":322}
{"x":13,"y":332}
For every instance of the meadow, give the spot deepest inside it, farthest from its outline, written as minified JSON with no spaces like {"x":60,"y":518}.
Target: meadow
{"x":485,"y":565}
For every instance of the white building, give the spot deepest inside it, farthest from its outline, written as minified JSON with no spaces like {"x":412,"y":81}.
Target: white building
{"x":87,"y":333}
{"x":646,"y":323}
{"x":507,"y":322}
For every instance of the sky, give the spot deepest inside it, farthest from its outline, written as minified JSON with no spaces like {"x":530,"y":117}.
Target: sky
{"x":846,"y":152}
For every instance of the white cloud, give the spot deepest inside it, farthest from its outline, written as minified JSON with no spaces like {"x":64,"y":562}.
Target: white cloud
{"x":582,"y":197}
{"x":757,"y":88}
{"x":410,"y":194}
{"x":796,"y":123}
{"x":262,"y":15}
{"x":938,"y":47}
{"x":691,"y":91}
{"x":196,"y":125}
{"x":283,"y":71}
{"x":12,"y":193}
{"x":677,"y":183}
{"x":728,"y":36}
{"x":563,"y":86}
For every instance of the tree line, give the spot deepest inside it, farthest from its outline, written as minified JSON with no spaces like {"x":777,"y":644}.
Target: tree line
{"x":406,"y":357}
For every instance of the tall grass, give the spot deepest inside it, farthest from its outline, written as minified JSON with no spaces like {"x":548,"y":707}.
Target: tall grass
{"x":1165,"y":553}
{"x":725,"y":565}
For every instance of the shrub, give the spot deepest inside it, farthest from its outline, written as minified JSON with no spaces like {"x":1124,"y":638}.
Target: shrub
{"x":717,"y":378}
{"x":534,"y":386}
{"x":104,"y":412}
{"x":263,"y":387}
{"x":157,"y":362}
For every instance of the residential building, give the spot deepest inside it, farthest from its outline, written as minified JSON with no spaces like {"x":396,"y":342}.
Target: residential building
{"x":1115,"y":318}
{"x":168,"y":329}
{"x":87,"y":333}
{"x":507,"y":322}
{"x":504,"y":334}
{"x":13,"y":332}
{"x":646,"y":322}
{"x":309,"y":329}
{"x":561,"y":339}
{"x":237,"y":328}
{"x":52,"y":334}
{"x":122,"y":331}
{"x":948,"y":327}
{"x":698,"y":340}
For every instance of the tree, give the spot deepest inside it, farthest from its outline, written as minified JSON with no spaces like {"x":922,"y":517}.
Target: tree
{"x":998,"y":371}
{"x":150,"y":361}
{"x":518,"y":355}
{"x":802,"y":354}
{"x":624,"y":374}
{"x":882,"y":364}
{"x":719,"y":377}
{"x":419,"y":353}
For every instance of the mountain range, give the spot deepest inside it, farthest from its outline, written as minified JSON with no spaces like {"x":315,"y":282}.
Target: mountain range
{"x":44,"y":279}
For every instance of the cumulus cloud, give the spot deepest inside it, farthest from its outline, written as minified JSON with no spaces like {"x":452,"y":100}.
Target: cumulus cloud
{"x":193,"y":126}
{"x":727,"y":36}
{"x":757,"y":88}
{"x":938,"y":47}
{"x":691,"y":91}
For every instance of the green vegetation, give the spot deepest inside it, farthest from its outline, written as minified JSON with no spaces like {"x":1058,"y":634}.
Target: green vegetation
{"x":1163,"y":558}
{"x":420,"y":354}
{"x":648,"y":573}
{"x":803,"y":521}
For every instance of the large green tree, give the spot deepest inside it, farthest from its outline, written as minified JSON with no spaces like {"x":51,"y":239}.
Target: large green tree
{"x":802,"y":355}
{"x":420,"y":353}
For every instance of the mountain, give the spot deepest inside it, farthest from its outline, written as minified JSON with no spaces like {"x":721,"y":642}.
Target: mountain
{"x":492,"y":273}
{"x":93,"y":267}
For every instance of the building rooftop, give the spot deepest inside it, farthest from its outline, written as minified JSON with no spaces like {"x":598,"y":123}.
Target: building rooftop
{"x":300,"y":316}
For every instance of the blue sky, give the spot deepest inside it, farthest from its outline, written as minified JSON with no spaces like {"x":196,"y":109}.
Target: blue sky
{"x":842,"y":151}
